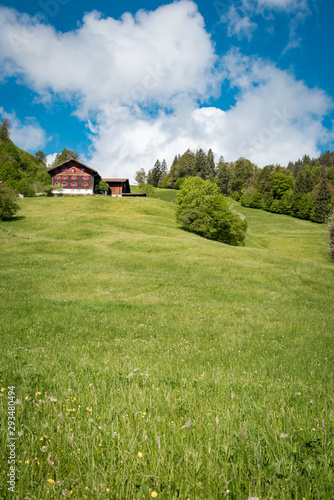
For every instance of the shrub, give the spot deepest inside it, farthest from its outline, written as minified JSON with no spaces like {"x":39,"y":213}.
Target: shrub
{"x":202,"y":209}
{"x":146,"y":188}
{"x":8,"y":203}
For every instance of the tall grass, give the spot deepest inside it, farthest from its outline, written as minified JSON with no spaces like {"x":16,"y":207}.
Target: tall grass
{"x":149,"y":360}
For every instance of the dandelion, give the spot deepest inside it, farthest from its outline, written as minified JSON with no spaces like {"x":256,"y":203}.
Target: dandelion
{"x":51,"y":481}
{"x":154,"y":494}
{"x":2,"y":389}
{"x":140,"y":455}
{"x":107,"y":490}
{"x":38,"y":393}
{"x":27,"y":462}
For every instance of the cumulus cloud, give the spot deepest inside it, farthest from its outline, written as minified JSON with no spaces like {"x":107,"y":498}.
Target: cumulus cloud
{"x":28,"y":135}
{"x":143,"y":85}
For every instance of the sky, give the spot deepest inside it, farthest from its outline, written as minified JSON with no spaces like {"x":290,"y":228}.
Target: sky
{"x":127,"y":83}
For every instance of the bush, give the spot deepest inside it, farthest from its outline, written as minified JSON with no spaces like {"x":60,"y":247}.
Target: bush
{"x":8,"y":203}
{"x":146,"y":189}
{"x":203,"y":210}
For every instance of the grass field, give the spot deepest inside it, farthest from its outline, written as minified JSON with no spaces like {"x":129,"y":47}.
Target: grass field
{"x":149,"y":362}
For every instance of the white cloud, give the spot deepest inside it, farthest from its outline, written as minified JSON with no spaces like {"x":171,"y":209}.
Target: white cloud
{"x":50,"y":159}
{"x":277,"y":118}
{"x":238,"y":23}
{"x":239,"y":18}
{"x":287,"y":5}
{"x":137,"y":83}
{"x":28,"y":135}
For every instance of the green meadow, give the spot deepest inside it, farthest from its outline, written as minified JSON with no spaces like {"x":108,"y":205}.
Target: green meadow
{"x":149,"y":362}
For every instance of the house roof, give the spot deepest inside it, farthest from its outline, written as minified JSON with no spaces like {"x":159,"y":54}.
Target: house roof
{"x":73,"y":160}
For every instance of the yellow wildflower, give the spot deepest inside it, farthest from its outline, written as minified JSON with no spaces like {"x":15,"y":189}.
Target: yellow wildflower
{"x":154,"y":494}
{"x":2,"y":389}
{"x":140,"y":455}
{"x":51,"y":481}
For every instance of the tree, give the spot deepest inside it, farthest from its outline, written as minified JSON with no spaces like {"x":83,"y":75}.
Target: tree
{"x":40,"y":157}
{"x":202,"y":209}
{"x":322,"y":204}
{"x":8,"y":203}
{"x":201,"y":164}
{"x":156,"y":172}
{"x":163,"y":167}
{"x":4,"y":130}
{"x":223,"y":175}
{"x":282,"y":182}
{"x":211,"y":167}
{"x":103,"y":186}
{"x":141,"y":176}
{"x":65,"y":155}
{"x":182,"y":166}
{"x":163,"y":173}
{"x":242,"y":170}
{"x":331,"y":236}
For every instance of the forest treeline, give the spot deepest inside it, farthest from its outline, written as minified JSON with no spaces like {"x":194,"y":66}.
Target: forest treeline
{"x":303,"y":189}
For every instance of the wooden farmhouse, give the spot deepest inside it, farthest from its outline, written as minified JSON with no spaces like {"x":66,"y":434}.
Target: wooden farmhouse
{"x":74,"y":177}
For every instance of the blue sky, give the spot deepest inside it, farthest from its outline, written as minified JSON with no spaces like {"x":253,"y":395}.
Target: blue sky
{"x":127,"y":83}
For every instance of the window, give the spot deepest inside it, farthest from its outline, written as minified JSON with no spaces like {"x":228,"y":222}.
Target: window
{"x":64,"y":169}
{"x":85,"y":184}
{"x":74,"y":178}
{"x":73,"y":169}
{"x":74,"y":184}
{"x":81,"y":169}
{"x":64,"y":184}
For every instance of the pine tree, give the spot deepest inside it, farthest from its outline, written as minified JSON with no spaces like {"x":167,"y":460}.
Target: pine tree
{"x":156,"y":172}
{"x":211,"y":167}
{"x":322,"y":202}
{"x":163,"y":167}
{"x":201,"y":163}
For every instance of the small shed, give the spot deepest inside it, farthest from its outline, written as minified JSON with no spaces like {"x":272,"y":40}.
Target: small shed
{"x":118,"y":187}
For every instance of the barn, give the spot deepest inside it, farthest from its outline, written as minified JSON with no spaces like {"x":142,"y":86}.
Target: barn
{"x":118,"y":187}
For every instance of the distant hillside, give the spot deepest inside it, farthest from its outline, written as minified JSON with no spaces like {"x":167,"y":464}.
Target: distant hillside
{"x":22,"y":171}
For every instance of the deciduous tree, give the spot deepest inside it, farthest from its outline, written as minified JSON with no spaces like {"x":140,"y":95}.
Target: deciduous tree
{"x":202,"y":209}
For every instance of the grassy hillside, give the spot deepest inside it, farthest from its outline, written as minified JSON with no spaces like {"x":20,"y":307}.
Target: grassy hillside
{"x":147,"y":359}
